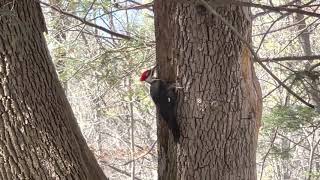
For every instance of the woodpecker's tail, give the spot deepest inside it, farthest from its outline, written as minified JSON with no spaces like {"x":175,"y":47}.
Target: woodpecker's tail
{"x":176,"y":135}
{"x":173,"y":126}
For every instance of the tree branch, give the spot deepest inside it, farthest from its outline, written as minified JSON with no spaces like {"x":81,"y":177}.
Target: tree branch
{"x":268,"y":152}
{"x":141,"y":156}
{"x":84,"y":21}
{"x":275,"y":9}
{"x":290,"y":58}
{"x":119,"y":170}
{"x":255,"y":56}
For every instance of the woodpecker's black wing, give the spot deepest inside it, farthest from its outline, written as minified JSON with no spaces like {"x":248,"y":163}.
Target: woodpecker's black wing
{"x":164,"y":96}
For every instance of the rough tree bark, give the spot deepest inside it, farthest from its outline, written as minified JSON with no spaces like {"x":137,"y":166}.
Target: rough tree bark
{"x":39,"y":136}
{"x":219,"y":107}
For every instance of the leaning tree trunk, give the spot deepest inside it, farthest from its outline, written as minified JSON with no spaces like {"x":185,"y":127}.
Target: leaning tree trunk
{"x":39,"y":136}
{"x":219,"y":107}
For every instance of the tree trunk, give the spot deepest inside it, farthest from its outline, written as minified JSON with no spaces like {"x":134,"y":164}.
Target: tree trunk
{"x":39,"y":136}
{"x":219,"y":108}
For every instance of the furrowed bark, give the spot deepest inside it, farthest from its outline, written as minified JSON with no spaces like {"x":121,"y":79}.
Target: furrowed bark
{"x":220,"y":105}
{"x":39,"y":136}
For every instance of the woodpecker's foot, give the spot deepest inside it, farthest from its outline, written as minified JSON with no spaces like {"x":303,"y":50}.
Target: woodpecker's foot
{"x":175,"y":85}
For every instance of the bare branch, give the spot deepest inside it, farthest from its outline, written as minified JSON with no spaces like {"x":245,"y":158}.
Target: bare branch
{"x":142,"y":155}
{"x":276,"y":87}
{"x":119,"y":170}
{"x":137,"y":6}
{"x":255,"y":56}
{"x":269,"y":29}
{"x":268,"y":152}
{"x":276,"y":9}
{"x":86,"y":22}
{"x":281,"y":28}
{"x":290,"y":58}
{"x":285,"y":5}
{"x":254,"y":16}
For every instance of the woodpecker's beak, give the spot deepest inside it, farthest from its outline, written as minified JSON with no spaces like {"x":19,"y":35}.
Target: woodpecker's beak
{"x":153,"y":72}
{"x":149,"y":78}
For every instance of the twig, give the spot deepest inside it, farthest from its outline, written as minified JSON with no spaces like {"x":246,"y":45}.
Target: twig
{"x":276,"y":87}
{"x":85,"y":19}
{"x":275,"y":9}
{"x":119,"y":170}
{"x":269,"y":29}
{"x":297,"y":36}
{"x":281,"y":28}
{"x":268,"y":152}
{"x":147,"y":5}
{"x":299,"y":143}
{"x":86,"y":22}
{"x":141,"y":156}
{"x":266,"y":12}
{"x":290,"y":58}
{"x":314,"y":66}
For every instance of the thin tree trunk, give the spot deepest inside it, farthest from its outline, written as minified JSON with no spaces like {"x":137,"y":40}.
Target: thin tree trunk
{"x":132,"y":129}
{"x":132,"y":120}
{"x":39,"y":136}
{"x":305,"y":42}
{"x":219,"y":107}
{"x":313,"y":89}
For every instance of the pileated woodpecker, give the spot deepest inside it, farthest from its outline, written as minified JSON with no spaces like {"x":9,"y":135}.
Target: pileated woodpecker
{"x":164,"y":96}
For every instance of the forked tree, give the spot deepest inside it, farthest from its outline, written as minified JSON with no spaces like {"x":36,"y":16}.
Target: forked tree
{"x":219,"y":108}
{"x":39,"y":136}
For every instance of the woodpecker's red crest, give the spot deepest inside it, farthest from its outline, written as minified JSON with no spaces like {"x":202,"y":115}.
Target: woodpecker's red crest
{"x":145,"y":75}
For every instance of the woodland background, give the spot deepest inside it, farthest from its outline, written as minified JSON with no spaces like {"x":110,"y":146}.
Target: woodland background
{"x":100,"y":74}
